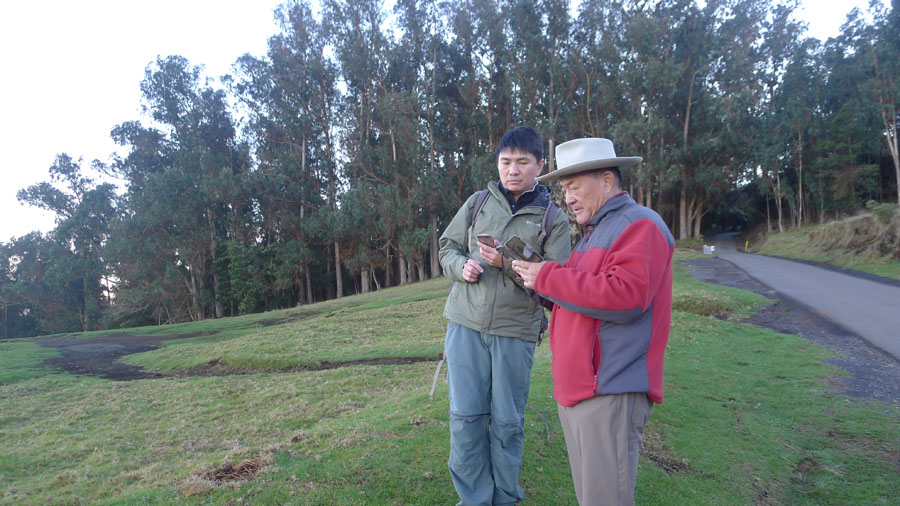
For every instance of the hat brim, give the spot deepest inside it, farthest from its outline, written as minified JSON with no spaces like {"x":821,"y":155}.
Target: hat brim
{"x":621,"y":162}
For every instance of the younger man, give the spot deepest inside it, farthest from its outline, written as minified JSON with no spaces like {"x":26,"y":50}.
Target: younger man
{"x":494,"y":322}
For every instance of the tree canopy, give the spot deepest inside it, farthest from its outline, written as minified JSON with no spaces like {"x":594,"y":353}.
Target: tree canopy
{"x":331,"y":164}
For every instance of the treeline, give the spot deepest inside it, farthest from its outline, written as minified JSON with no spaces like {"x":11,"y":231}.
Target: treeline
{"x":331,"y":165}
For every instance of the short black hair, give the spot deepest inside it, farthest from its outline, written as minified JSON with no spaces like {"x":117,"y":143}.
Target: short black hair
{"x":617,"y":174}
{"x":524,"y":139}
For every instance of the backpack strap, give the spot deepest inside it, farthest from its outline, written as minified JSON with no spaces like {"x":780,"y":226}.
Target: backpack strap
{"x":482,"y":197}
{"x":547,"y":224}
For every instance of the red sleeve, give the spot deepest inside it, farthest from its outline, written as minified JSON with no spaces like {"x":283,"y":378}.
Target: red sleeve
{"x":623,"y":278}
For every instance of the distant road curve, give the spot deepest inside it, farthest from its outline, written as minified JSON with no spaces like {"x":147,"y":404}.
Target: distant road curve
{"x":867,"y":308}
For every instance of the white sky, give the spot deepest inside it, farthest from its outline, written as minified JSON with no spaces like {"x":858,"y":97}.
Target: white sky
{"x":72,"y":71}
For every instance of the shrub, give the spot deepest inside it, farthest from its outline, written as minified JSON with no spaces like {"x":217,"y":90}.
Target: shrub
{"x":884,"y":212}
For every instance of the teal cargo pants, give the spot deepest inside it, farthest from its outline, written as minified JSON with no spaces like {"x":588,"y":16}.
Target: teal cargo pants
{"x":488,"y":377}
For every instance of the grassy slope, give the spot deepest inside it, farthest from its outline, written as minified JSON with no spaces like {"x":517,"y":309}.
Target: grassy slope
{"x":749,"y":417}
{"x":850,"y":243}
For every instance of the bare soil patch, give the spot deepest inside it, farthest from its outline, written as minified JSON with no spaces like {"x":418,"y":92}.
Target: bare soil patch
{"x":219,"y":368}
{"x":654,"y":450}
{"x":99,"y":356}
{"x":234,"y":472}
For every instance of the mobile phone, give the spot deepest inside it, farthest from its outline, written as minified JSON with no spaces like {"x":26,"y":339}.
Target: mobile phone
{"x":517,"y":249}
{"x":486,"y":239}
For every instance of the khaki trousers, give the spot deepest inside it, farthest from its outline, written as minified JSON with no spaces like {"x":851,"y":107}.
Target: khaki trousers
{"x":603,"y":437}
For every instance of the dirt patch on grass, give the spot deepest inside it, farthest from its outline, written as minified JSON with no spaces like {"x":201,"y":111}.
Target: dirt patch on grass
{"x":805,"y":466}
{"x":99,"y":356}
{"x":219,"y":368}
{"x":235,"y":472}
{"x":868,"y":445}
{"x":654,"y":450}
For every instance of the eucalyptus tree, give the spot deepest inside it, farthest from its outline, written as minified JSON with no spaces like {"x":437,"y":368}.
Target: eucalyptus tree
{"x":355,"y":32}
{"x":540,"y":47}
{"x":475,"y":97}
{"x":880,"y":47}
{"x":184,"y":187}
{"x":83,"y":211}
{"x":292,"y":99}
{"x":797,"y":105}
{"x":849,"y":147}
{"x":415,"y":71}
{"x":723,"y":128}
{"x":38,"y":292}
{"x":638,"y":62}
{"x":781,"y":41}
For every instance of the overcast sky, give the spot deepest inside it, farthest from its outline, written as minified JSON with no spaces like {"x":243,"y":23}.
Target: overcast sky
{"x":72,"y":71}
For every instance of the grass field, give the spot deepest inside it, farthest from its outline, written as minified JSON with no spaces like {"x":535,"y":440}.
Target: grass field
{"x":750,"y":415}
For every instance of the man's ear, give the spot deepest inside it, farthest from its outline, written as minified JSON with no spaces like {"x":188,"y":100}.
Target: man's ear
{"x":610,"y":179}
{"x":541,"y":165}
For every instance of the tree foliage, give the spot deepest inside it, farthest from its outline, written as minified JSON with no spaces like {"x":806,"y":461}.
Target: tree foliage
{"x":330,"y":164}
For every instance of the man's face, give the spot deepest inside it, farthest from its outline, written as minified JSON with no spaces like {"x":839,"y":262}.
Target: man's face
{"x":586,"y":194}
{"x":518,"y":170}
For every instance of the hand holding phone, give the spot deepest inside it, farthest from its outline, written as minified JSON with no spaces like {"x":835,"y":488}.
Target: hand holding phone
{"x":486,"y":239}
{"x":489,"y":251}
{"x":517,"y":249}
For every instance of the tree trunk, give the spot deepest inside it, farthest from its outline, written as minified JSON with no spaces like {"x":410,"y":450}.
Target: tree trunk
{"x":195,"y":298}
{"x":220,"y":309}
{"x":403,"y":272}
{"x":682,"y":216}
{"x":821,"y":202}
{"x":387,"y":265}
{"x":364,"y":280}
{"x":339,"y":280}
{"x":309,"y":299}
{"x":86,"y":318}
{"x":799,"y":179}
{"x":778,"y":204}
{"x":551,"y":156}
{"x":889,"y":118}
{"x":698,"y":218}
{"x":421,"y":268}
{"x":435,"y":249}
{"x":431,"y":113}
{"x":374,"y":277}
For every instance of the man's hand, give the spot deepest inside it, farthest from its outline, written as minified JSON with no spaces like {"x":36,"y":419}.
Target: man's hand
{"x":491,"y":255}
{"x":528,"y":271}
{"x":471,"y":270}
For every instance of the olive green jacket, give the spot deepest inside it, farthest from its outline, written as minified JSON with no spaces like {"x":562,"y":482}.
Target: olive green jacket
{"x":496,"y":304}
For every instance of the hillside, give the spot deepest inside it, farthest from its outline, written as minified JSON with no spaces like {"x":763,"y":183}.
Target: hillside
{"x":868,"y":242}
{"x":328,"y":404}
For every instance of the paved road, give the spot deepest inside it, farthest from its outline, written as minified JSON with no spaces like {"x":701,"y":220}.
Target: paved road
{"x":866,"y":308}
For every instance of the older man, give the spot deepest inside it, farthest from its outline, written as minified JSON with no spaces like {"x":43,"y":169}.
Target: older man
{"x":494,"y":321}
{"x":610,"y":322}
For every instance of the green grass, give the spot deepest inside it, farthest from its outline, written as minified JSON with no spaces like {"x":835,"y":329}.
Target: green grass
{"x":693,"y":296}
{"x":399,"y":324}
{"x":20,"y":360}
{"x":749,"y":416}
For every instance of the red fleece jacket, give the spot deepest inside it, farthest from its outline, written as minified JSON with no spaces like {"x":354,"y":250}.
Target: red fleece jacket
{"x":612,"y":305}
